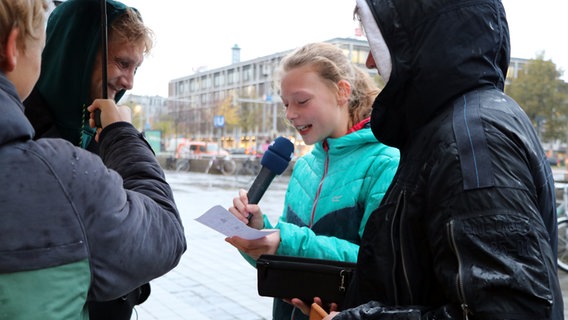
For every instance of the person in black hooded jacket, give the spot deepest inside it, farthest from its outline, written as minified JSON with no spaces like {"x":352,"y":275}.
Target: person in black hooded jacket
{"x":467,"y":229}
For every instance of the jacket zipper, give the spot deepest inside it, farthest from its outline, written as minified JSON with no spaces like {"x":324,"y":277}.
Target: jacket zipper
{"x":459,"y":276}
{"x":402,"y":201}
{"x":325,"y":167}
{"x":393,"y":245}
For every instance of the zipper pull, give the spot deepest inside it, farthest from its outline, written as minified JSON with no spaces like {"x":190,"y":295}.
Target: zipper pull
{"x":465,"y":309}
{"x":342,"y":285}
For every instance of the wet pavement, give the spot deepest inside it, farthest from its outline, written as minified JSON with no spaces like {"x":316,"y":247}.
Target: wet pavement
{"x":212,"y":280}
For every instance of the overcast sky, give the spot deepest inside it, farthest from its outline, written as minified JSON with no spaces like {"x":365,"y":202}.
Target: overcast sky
{"x":200,"y":33}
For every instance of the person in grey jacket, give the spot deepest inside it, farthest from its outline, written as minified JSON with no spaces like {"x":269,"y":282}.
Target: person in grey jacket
{"x":467,"y":229}
{"x":71,"y":78}
{"x":75,"y":227}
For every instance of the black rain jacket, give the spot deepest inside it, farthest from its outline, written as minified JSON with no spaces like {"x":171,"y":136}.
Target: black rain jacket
{"x":467,"y":229}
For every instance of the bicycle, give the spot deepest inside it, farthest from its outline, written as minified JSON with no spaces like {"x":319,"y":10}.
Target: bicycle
{"x":170,"y":163}
{"x":225,"y":165}
{"x":562,"y":223}
{"x":250,"y":166}
{"x":247,"y":170}
{"x":182,"y":164}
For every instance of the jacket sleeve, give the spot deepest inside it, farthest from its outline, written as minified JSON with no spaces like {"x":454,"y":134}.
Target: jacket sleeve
{"x":133,"y":228}
{"x":375,"y":311}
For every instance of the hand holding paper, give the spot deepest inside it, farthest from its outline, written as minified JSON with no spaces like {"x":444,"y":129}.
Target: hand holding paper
{"x":221,"y":220}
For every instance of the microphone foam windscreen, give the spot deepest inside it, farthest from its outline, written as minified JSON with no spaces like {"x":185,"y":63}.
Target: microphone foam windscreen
{"x":278,"y":155}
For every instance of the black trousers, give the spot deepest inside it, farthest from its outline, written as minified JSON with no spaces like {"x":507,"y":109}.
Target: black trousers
{"x":121,"y":308}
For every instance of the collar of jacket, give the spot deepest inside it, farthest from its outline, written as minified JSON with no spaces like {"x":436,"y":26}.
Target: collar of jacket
{"x":13,"y":123}
{"x":343,"y":144}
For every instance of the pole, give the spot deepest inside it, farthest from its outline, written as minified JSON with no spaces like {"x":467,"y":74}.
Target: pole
{"x":104,"y":55}
{"x":104,"y":47}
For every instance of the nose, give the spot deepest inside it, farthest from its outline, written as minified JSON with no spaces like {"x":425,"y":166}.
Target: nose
{"x":290,"y":113}
{"x":370,"y":63}
{"x":127,"y":80}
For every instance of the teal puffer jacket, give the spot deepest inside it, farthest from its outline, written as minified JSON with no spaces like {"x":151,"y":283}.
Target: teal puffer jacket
{"x":331,"y":194}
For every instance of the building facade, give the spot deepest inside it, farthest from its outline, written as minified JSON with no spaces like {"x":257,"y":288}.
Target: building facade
{"x":239,"y":104}
{"x":245,"y":94}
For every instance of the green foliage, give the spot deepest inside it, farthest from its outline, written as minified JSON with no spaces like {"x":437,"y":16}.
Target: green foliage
{"x":544,"y":96}
{"x":249,"y":113}
{"x":164,"y":126}
{"x":250,"y":116}
{"x":227,"y":109}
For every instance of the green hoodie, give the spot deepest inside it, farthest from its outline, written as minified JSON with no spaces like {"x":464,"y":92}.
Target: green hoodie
{"x":73,"y":38}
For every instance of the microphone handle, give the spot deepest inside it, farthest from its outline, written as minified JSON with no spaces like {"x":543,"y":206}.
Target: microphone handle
{"x":260,"y":184}
{"x":98,"y":122}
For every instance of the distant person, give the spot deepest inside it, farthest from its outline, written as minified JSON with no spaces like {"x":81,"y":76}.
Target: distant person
{"x":264,"y":146}
{"x":71,"y":78}
{"x":75,"y":227}
{"x":334,"y":188}
{"x":468,"y":228}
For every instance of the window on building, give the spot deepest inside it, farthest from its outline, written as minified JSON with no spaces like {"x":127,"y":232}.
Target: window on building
{"x":247,"y":73}
{"x":262,"y":90}
{"x":230,"y":75}
{"x":218,"y":79}
{"x":206,"y":82}
{"x":185,"y":86}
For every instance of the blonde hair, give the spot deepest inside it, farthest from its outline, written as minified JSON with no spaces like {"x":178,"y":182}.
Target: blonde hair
{"x":129,"y":27}
{"x":332,"y":65}
{"x":28,"y":16}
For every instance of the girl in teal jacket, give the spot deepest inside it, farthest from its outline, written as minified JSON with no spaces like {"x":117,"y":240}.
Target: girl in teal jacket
{"x":335,"y":187}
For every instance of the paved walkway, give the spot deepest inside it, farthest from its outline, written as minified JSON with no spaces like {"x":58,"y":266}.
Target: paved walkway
{"x":212,"y":280}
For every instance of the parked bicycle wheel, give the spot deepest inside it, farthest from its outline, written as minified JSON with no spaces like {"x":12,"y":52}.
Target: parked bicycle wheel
{"x":563,"y":243}
{"x":182,"y":165}
{"x":170,"y":163}
{"x":228,"y":167}
{"x":250,"y":167}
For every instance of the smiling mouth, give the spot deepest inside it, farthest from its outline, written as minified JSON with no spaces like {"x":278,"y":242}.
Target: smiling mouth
{"x":303,"y":128}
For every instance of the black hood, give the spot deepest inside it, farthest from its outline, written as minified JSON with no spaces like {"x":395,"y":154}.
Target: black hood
{"x":73,"y":38}
{"x":440,"y":49}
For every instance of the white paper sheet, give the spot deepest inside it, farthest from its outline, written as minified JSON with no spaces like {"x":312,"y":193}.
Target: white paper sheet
{"x":221,"y":220}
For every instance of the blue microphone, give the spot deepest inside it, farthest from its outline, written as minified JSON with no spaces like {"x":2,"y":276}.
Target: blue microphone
{"x":274,"y":161}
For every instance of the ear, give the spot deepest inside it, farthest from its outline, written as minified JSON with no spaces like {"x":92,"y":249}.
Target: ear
{"x":344,"y":91}
{"x":11,"y":51}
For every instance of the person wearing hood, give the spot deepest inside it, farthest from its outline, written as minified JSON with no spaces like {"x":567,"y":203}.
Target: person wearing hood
{"x":467,"y":229}
{"x":71,"y":73}
{"x":71,"y":78}
{"x":76,"y":227}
